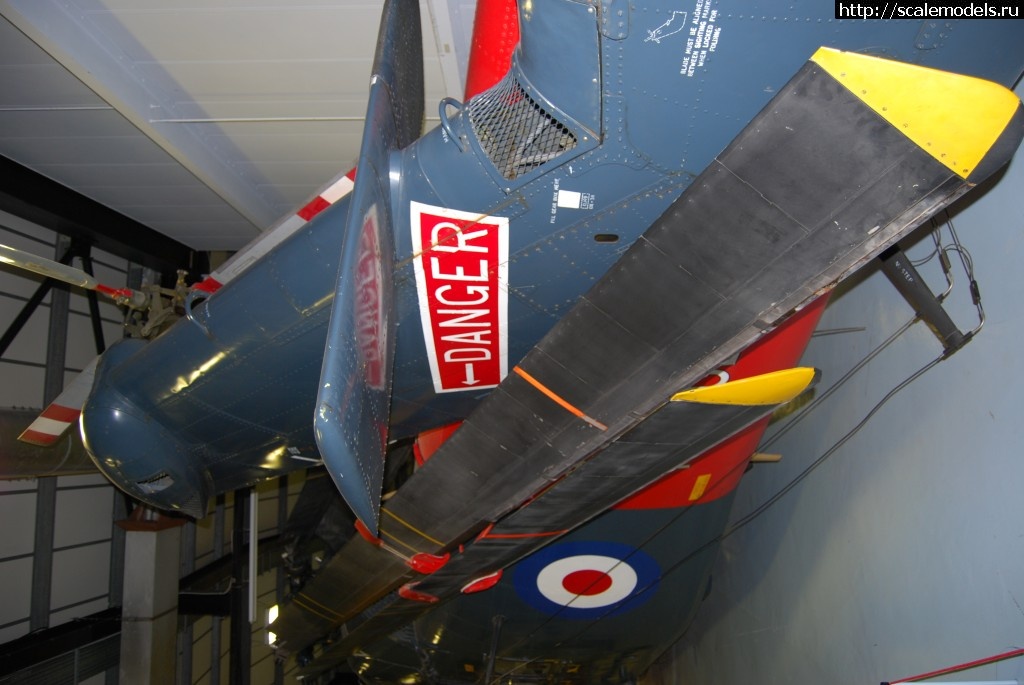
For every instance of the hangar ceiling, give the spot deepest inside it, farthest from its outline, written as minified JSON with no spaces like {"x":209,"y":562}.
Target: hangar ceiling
{"x":207,"y":120}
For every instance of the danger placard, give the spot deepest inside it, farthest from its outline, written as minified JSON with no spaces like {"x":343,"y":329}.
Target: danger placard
{"x":371,"y":337}
{"x":461,"y":263}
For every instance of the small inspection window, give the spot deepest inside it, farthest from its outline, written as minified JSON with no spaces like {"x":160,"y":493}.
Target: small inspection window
{"x":606,"y":238}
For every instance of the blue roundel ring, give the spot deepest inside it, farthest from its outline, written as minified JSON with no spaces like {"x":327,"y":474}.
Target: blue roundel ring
{"x":587,"y":580}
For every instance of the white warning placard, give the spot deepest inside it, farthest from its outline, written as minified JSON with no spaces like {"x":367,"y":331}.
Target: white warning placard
{"x":461,"y":266}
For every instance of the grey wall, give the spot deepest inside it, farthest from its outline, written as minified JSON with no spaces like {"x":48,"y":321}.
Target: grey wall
{"x":80,"y":531}
{"x":903,"y":552}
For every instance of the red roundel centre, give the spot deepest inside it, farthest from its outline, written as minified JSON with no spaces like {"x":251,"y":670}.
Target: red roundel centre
{"x":587,"y":582}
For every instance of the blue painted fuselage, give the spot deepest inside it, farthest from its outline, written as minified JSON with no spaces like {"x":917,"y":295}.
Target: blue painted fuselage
{"x":642,"y":96}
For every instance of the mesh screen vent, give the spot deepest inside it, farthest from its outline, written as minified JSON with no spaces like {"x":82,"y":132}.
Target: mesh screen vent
{"x":515,"y":132}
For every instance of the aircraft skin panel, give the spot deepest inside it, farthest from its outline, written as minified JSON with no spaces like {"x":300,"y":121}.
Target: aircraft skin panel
{"x":172,"y":472}
{"x":760,"y":44}
{"x":563,"y":33}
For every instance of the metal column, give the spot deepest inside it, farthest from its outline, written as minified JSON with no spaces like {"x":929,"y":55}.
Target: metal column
{"x":241,"y":627}
{"x":46,"y":496}
{"x":149,"y":614}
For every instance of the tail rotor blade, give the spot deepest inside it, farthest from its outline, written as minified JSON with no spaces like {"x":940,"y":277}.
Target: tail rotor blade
{"x":63,"y":412}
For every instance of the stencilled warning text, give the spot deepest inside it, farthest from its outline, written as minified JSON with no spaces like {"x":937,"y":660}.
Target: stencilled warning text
{"x":702,"y":39}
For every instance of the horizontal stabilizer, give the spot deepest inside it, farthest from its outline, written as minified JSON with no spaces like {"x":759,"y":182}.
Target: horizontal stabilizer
{"x":353,"y":401}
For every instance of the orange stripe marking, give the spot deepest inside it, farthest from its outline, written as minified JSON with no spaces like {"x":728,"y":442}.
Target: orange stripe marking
{"x":558,"y":400}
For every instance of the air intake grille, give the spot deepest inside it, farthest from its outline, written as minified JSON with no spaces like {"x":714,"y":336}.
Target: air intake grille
{"x":515,"y":132}
{"x":155,"y":484}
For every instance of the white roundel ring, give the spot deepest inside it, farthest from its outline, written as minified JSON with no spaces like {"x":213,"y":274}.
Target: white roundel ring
{"x":587,"y":581}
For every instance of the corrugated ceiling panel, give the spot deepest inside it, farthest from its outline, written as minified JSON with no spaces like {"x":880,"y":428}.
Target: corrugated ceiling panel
{"x":299,"y":70}
{"x":269,"y":84}
{"x":51,"y":122}
{"x":210,"y":236}
{"x":43,"y":85}
{"x":284,"y":32}
{"x":82,"y":150}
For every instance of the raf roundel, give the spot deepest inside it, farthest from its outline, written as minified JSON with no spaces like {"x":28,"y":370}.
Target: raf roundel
{"x":587,"y":579}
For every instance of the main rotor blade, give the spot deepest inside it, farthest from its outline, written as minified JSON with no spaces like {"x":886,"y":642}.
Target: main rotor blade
{"x":46,"y":267}
{"x":66,"y":274}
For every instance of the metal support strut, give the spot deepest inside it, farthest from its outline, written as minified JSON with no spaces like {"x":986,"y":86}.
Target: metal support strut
{"x":902,"y":274}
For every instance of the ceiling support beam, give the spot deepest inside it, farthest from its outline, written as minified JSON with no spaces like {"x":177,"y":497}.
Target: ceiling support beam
{"x":96,"y":60}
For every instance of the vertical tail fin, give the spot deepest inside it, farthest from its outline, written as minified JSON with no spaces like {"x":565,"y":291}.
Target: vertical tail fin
{"x":353,"y":400}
